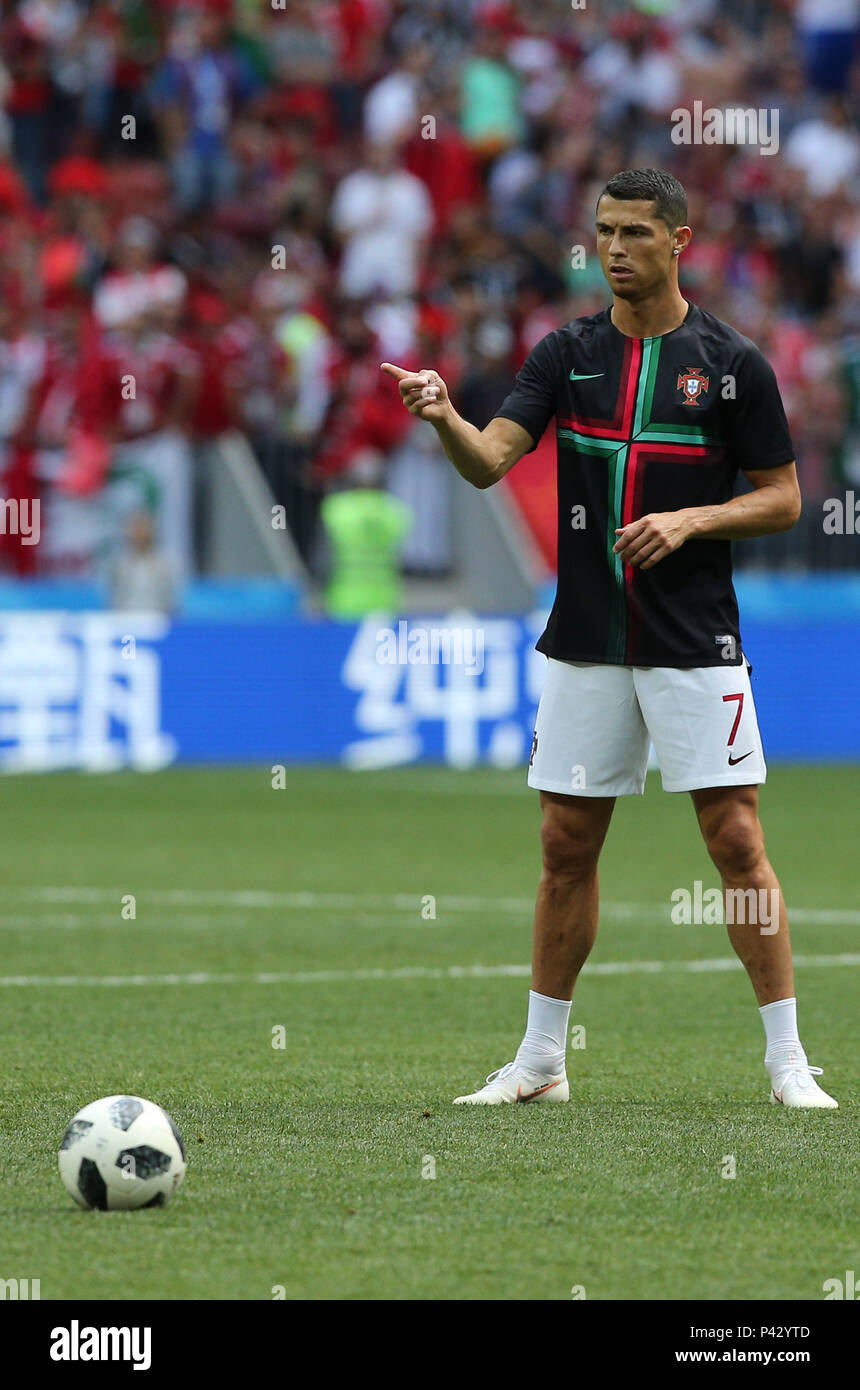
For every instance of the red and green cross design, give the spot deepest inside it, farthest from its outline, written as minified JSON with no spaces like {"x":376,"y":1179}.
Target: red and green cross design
{"x":627,"y":442}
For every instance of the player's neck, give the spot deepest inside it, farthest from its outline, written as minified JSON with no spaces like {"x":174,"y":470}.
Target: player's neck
{"x":652,"y":317}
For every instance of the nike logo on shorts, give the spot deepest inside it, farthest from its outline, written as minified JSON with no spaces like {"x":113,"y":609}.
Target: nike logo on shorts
{"x":732,"y":760}
{"x":591,"y":376}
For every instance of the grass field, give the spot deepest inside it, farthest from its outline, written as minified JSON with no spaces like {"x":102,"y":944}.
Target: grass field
{"x":306,"y":1162}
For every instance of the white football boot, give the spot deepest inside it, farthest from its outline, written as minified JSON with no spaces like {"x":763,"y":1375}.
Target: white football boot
{"x":518,"y":1083}
{"x":793,"y":1086}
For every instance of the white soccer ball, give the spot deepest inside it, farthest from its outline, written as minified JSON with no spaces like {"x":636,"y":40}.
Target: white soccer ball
{"x":120,"y":1153}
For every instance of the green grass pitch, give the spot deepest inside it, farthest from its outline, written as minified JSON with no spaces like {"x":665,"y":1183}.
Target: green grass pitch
{"x":307,"y":910}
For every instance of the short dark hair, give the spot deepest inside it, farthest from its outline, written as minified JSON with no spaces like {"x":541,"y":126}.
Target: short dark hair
{"x":656,"y":186}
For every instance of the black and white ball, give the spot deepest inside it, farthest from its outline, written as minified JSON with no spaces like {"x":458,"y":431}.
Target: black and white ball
{"x":120,"y":1153}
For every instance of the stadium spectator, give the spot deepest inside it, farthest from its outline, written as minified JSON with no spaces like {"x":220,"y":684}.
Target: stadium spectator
{"x":829,"y":32}
{"x":420,"y":474}
{"x":138,"y":281}
{"x":440,"y":157}
{"x":826,"y":148}
{"x":364,"y":527}
{"x":384,"y":217}
{"x":391,"y":108}
{"x":140,"y":397}
{"x":491,"y":117}
{"x":141,"y":578}
{"x":197,"y":91}
{"x":32,"y":104}
{"x":488,"y":381}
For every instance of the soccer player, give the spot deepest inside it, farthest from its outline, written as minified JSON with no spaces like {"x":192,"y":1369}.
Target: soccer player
{"x":657,"y":406}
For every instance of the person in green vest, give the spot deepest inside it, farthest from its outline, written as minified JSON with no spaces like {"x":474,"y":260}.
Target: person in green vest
{"x":365,"y":528}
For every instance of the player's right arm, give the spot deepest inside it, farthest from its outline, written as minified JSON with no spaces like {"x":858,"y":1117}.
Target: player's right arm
{"x":482,"y":457}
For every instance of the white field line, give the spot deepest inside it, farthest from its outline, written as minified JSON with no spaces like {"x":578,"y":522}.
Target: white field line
{"x":71,"y":921}
{"x":417,"y":972}
{"x":397,"y":902}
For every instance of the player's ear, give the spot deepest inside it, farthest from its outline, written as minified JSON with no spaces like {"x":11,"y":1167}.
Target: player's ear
{"x":681,"y":238}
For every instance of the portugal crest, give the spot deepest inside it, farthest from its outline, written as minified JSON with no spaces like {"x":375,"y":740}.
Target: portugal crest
{"x":693,"y":383}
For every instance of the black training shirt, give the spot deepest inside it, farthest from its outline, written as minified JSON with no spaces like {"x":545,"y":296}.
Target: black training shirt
{"x":647,"y":425}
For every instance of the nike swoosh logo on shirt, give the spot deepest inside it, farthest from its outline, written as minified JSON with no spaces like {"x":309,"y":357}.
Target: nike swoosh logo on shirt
{"x":574,"y":376}
{"x":732,"y":760}
{"x":533,"y":1095}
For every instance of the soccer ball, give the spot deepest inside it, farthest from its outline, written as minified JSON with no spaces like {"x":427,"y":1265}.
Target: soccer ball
{"x":120,"y":1153}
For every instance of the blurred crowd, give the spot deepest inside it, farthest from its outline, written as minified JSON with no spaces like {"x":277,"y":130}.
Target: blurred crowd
{"x":221,"y":215}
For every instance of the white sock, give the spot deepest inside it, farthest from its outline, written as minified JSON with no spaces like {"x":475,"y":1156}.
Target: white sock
{"x":544,"y":1045}
{"x":780,"y":1028}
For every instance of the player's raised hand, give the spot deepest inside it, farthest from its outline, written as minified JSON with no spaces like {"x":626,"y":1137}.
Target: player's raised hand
{"x":423,"y":393}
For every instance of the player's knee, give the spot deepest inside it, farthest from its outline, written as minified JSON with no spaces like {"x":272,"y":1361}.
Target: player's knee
{"x":736,"y":845}
{"x":569,"y":848}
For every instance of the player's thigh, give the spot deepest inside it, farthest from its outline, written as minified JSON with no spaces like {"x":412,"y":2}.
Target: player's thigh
{"x":590,"y":738}
{"x":704,"y":726}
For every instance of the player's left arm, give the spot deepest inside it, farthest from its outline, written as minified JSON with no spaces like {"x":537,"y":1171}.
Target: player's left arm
{"x":773,"y":505}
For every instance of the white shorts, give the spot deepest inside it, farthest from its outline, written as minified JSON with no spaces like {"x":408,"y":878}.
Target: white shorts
{"x":595,"y":725}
